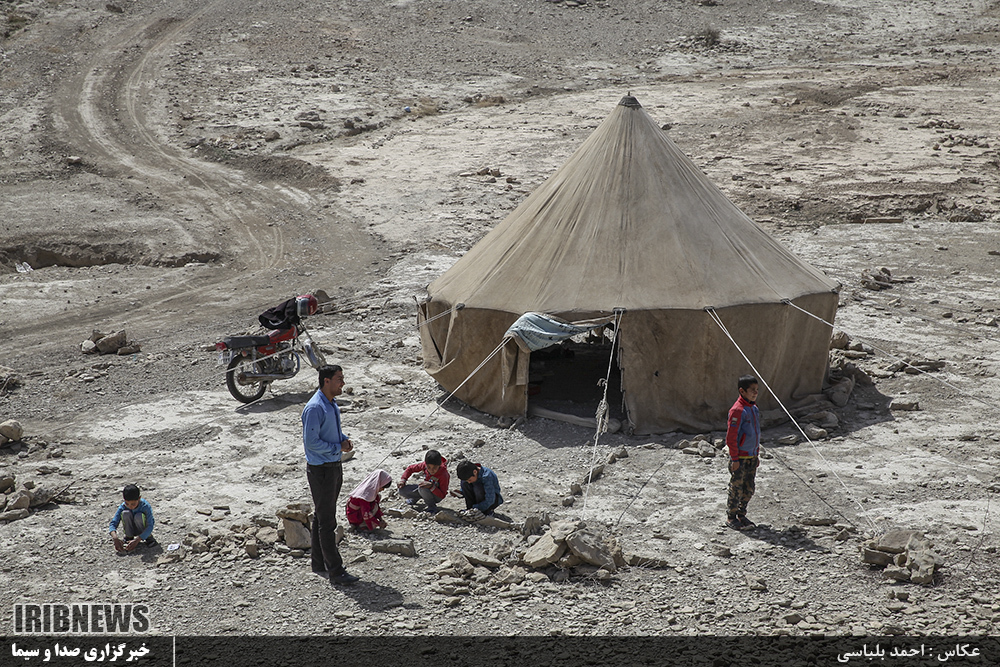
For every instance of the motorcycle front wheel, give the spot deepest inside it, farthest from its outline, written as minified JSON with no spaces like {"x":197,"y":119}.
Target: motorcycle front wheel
{"x":245,"y":393}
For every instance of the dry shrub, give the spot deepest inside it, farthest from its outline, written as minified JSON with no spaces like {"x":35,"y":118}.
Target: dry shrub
{"x":710,"y":35}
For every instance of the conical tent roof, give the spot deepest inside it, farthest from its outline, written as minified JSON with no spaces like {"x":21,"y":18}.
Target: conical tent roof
{"x":628,"y":222}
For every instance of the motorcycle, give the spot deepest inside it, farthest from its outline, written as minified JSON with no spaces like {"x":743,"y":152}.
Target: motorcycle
{"x":254,"y":362}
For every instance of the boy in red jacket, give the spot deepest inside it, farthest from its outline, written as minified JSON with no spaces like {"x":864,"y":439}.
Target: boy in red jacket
{"x":433,"y":488}
{"x":743,"y":441}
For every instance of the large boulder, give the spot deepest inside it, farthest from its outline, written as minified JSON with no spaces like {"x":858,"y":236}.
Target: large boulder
{"x":20,"y":499}
{"x":14,"y":515}
{"x":592,"y":549}
{"x":543,"y":552}
{"x":110,"y":344}
{"x":398,"y":547}
{"x":297,"y":536}
{"x":11,"y":429}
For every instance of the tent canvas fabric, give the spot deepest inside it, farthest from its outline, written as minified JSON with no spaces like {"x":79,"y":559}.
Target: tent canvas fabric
{"x":631,"y":223}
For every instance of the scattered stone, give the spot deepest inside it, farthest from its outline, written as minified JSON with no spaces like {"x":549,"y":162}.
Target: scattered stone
{"x":297,"y":536}
{"x":792,"y":439}
{"x":207,"y":511}
{"x":875,"y":557}
{"x":534,"y":524}
{"x":511,"y":575}
{"x":267,"y":535}
{"x":11,"y":429}
{"x":112,"y":343}
{"x":592,"y":475}
{"x":20,"y":499}
{"x":818,"y":521}
{"x":647,"y":560}
{"x":840,"y":393}
{"x":6,"y":482}
{"x":915,"y":366}
{"x":398,"y":547}
{"x":814,"y":432}
{"x":543,"y":552}
{"x":569,"y":501}
{"x":252,"y":548}
{"x":560,"y":530}
{"x":904,"y":405}
{"x":14,"y":514}
{"x":132,"y":348}
{"x":42,"y":495}
{"x":756,"y":583}
{"x":172,"y":556}
{"x":591,"y":549}
{"x":271,"y":135}
{"x":476,"y":558}
{"x":295,"y":512}
{"x":839,"y":340}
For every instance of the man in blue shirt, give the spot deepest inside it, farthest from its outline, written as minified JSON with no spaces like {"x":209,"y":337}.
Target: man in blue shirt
{"x":324,"y":441}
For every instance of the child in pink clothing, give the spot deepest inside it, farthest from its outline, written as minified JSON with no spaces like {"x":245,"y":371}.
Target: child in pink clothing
{"x":363,"y":511}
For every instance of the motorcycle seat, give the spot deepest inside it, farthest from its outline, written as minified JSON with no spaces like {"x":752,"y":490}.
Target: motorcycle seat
{"x":240,"y":342}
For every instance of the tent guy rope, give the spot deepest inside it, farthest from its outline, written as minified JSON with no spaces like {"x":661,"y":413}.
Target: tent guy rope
{"x":718,"y":320}
{"x":601,"y":417}
{"x":903,"y":361}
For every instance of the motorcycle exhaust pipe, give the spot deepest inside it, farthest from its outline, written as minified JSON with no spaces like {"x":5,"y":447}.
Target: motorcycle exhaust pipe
{"x":256,"y":377}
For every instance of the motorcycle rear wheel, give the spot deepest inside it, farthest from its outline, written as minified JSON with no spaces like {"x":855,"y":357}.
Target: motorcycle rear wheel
{"x":244,"y":393}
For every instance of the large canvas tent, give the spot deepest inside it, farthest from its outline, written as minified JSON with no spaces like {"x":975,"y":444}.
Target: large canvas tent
{"x":631,"y":225}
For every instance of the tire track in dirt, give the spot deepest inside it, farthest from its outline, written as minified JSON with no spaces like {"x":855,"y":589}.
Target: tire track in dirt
{"x":105,"y":110}
{"x":108,"y":109}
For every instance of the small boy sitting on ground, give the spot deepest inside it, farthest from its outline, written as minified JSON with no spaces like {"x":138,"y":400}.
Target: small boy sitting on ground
{"x":136,"y":517}
{"x":433,"y":488}
{"x":480,"y":487}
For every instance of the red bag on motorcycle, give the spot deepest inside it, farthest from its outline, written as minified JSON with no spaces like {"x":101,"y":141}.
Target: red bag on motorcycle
{"x":289,"y":313}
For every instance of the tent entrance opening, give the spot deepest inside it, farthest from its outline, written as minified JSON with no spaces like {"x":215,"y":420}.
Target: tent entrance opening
{"x":568,"y":379}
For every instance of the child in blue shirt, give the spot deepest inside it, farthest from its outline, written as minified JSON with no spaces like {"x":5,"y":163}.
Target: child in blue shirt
{"x":136,"y":517}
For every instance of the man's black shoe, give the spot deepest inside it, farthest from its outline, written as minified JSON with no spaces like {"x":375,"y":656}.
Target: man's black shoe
{"x":151,"y":541}
{"x":343,"y":578}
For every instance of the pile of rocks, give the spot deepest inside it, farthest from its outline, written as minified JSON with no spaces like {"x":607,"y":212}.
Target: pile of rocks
{"x":573,"y":547}
{"x":564,"y":549}
{"x":109,"y":343}
{"x":17,"y":503}
{"x":242,"y":539}
{"x":296,"y":519}
{"x":906,"y":555}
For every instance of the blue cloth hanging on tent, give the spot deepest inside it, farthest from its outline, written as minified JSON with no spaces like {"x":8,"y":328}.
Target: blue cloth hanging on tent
{"x":539,"y":331}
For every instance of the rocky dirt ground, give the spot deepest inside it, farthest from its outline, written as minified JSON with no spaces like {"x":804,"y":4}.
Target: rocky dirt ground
{"x":172,"y":169}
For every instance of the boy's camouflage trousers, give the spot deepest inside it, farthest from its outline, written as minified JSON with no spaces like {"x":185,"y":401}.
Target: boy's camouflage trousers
{"x":742,"y":485}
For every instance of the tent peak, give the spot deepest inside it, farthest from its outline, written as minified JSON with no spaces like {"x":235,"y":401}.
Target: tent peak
{"x":629,"y":101}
